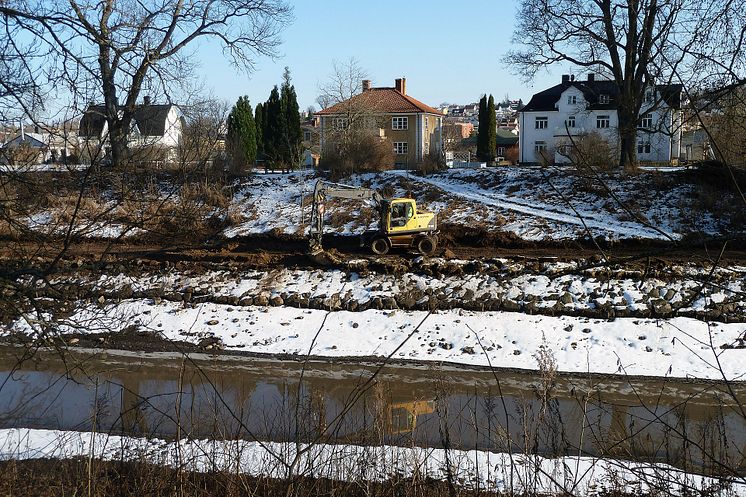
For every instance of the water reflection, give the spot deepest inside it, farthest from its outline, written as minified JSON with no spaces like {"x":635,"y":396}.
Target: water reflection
{"x":691,"y":425}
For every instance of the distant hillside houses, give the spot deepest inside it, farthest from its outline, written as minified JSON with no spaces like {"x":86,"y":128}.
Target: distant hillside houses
{"x":564,"y":113}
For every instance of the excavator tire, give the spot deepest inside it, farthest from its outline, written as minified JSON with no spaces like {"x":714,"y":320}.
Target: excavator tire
{"x":379,"y":246}
{"x":426,"y":245}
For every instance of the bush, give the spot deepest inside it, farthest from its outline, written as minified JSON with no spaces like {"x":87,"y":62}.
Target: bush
{"x":366,"y":153}
{"x":593,"y":152}
{"x":431,"y":163}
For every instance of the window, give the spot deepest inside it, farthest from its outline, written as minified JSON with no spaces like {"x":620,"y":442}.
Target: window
{"x":426,"y":123}
{"x":400,"y":148}
{"x":307,"y":136}
{"x":501,"y":151}
{"x":340,"y":123}
{"x":602,"y":121}
{"x":649,"y":96}
{"x":603,"y":99}
{"x":399,"y":123}
{"x":542,"y":122}
{"x":643,"y":147}
{"x":572,"y":99}
{"x":646,"y":121}
{"x":540,"y":146}
{"x":570,"y":121}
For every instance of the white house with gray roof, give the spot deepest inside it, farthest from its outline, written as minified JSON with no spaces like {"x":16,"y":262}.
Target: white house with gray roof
{"x":555,"y":117}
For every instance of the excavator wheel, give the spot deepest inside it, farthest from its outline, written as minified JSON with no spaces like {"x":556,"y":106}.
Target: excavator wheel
{"x":379,"y":246}
{"x":426,"y":245}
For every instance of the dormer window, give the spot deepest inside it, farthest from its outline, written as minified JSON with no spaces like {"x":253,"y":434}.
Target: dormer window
{"x":603,"y":99}
{"x":572,"y":99}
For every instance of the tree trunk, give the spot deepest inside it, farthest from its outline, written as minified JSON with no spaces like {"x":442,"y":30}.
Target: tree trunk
{"x":627,"y":139}
{"x":118,"y":143}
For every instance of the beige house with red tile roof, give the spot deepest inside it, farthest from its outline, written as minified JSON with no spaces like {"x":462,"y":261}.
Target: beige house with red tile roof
{"x":413,"y":128}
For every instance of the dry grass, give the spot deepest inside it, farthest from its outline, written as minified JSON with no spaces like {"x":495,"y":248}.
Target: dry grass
{"x":79,"y":477}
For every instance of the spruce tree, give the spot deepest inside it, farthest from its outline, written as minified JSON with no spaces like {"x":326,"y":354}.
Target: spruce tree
{"x":241,"y":139}
{"x":481,"y":136}
{"x":259,"y":121}
{"x":273,"y":128}
{"x":292,"y":133}
{"x":491,"y":135}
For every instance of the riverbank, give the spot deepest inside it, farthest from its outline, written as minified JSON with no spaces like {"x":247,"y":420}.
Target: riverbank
{"x":496,"y":473}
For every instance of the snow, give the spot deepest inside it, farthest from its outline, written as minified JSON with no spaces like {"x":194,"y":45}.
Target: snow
{"x":594,"y":220}
{"x":495,"y":280}
{"x":488,"y":471}
{"x":678,"y":347}
{"x":530,"y":202}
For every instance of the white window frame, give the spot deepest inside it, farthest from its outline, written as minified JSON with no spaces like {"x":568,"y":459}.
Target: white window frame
{"x":540,"y":146}
{"x":401,"y":148}
{"x":400,"y":122}
{"x":572,"y":99}
{"x":604,"y":99}
{"x":501,"y":151}
{"x":643,"y":147}
{"x":340,"y":123}
{"x":570,"y":121}
{"x":646,"y":121}
{"x":541,"y":122}
{"x":603,"y":122}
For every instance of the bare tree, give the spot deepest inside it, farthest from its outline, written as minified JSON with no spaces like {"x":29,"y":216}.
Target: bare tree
{"x":352,"y":118}
{"x":121,"y":49}
{"x":637,"y":44}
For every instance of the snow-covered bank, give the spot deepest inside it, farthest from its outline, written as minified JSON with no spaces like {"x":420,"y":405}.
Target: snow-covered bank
{"x":498,"y":472}
{"x":554,"y":288}
{"x":678,"y":347}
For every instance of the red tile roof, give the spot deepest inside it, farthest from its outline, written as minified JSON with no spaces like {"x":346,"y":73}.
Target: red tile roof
{"x":383,"y":100}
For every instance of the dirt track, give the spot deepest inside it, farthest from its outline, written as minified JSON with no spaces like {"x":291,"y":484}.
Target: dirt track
{"x":264,"y":251}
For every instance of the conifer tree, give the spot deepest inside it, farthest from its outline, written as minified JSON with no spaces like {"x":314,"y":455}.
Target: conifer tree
{"x":241,"y":139}
{"x":481,"y":136}
{"x":259,"y":121}
{"x":292,"y":133}
{"x":274,"y":122}
{"x":491,"y":134}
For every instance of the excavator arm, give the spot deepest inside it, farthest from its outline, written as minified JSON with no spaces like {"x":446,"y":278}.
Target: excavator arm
{"x":325,"y":190}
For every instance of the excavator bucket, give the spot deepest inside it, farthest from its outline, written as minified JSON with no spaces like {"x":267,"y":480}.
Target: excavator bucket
{"x":322,"y":257}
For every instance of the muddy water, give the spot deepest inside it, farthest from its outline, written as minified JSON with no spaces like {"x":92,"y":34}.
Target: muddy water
{"x":697,"y":426}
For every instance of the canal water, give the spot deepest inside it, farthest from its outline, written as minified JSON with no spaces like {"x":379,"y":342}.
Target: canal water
{"x":696,"y":426}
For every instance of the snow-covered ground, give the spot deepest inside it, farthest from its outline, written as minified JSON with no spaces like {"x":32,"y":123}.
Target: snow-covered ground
{"x":487,"y":471}
{"x":677,"y":347}
{"x":532,"y":203}
{"x":496,"y":285}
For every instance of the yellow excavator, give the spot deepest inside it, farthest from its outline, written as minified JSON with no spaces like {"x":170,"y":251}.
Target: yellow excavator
{"x":400,"y":224}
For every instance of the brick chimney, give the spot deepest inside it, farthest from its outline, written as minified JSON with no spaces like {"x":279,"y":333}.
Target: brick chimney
{"x":366,"y":85}
{"x":565,"y":78}
{"x":401,"y":85}
{"x":146,"y":100}
{"x":591,"y":76}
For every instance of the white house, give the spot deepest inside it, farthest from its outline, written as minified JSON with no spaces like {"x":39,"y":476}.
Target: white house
{"x":152,"y":125}
{"x":590,"y":106}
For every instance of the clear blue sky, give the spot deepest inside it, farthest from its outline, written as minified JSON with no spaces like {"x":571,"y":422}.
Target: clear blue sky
{"x":449,"y":51}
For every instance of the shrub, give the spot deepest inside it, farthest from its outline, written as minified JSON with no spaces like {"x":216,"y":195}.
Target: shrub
{"x":366,"y":153}
{"x":592,"y":151}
